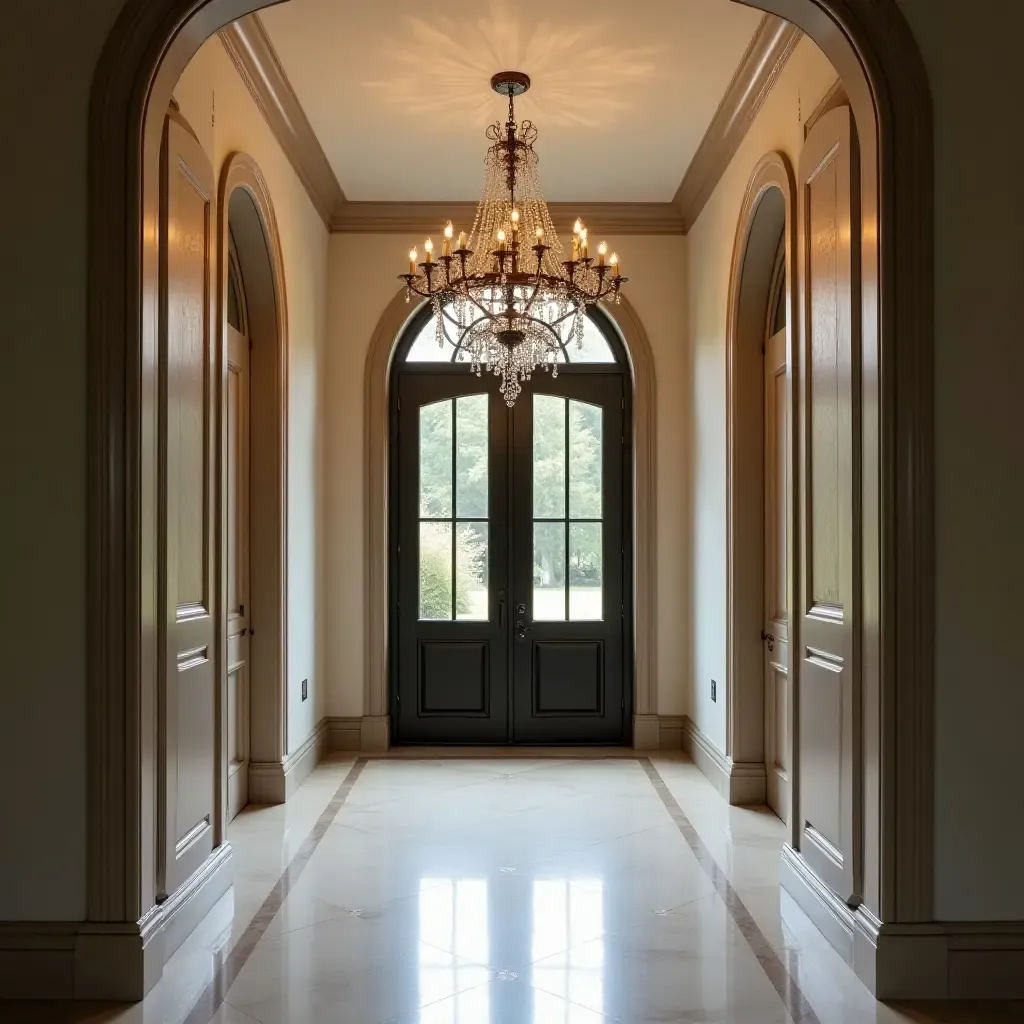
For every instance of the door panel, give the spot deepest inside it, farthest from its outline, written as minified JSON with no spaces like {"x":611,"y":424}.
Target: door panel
{"x":510,"y":625}
{"x":776,"y":573}
{"x":828,"y":734}
{"x":238,"y":601}
{"x":187,"y":499}
{"x":451,"y":489}
{"x":567,"y":561}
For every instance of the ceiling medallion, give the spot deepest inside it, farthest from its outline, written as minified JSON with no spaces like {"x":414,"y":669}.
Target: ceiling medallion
{"x":501,"y":302}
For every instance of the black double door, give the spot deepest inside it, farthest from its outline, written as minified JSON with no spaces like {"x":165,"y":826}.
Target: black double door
{"x":510,"y":555}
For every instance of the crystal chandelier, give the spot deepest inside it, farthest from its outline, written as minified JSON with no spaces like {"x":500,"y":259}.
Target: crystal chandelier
{"x":499,"y":300}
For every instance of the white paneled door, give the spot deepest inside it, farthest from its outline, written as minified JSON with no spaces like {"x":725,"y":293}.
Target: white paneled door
{"x":237,"y":535}
{"x":828,"y":733}
{"x":188,"y":692}
{"x":776,"y":561}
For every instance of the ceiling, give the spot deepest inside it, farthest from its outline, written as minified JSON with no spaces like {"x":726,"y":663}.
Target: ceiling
{"x":400,"y":101}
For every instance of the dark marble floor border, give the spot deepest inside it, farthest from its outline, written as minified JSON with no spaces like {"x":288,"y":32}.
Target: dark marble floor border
{"x":210,"y":1001}
{"x":784,"y":983}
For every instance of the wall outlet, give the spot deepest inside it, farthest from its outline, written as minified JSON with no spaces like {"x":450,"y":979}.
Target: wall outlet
{"x":305,"y":688}
{"x":714,"y":690}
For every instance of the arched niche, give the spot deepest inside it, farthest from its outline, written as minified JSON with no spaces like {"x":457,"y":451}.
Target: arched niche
{"x":767,"y":216}
{"x":246,"y":216}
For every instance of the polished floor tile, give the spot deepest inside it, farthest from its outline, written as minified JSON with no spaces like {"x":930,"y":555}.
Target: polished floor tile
{"x":519,"y":889}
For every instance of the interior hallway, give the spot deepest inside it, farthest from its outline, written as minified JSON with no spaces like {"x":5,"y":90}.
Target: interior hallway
{"x":543,"y":888}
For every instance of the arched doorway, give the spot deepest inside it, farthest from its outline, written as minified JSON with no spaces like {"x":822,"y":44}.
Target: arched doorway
{"x":510,"y":554}
{"x":874,"y":53}
{"x":759,"y":480}
{"x":253,"y":400}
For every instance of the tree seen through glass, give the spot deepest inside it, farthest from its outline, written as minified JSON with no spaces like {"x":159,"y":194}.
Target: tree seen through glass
{"x":453,"y":512}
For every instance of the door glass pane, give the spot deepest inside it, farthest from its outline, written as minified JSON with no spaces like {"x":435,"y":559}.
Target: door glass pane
{"x":548,"y":457}
{"x":549,"y":571}
{"x":436,"y":460}
{"x":435,"y":570}
{"x":471,"y":570}
{"x":584,"y":460}
{"x":471,"y":457}
{"x":585,"y":571}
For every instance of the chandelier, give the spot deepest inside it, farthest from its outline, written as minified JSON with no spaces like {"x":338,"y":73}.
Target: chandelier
{"x":500,"y":301}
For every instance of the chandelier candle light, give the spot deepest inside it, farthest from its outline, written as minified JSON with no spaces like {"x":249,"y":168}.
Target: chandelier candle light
{"x":500,"y":302}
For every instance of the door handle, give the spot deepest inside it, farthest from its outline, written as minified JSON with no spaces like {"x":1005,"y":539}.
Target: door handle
{"x":521,"y":628}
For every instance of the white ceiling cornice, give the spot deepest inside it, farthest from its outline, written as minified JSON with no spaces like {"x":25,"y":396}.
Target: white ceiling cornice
{"x":253,"y":55}
{"x":759,"y":70}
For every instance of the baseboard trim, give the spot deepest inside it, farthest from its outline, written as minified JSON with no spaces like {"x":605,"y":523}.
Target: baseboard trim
{"x":117,"y":961}
{"x":273,"y":782}
{"x":670,"y":732}
{"x":646,"y":732}
{"x":740,"y":782}
{"x":923,"y":961}
{"x":344,"y":733}
{"x":375,"y":734}
{"x":829,"y":914}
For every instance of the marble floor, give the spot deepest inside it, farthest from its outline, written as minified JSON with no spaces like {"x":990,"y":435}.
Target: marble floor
{"x":507,"y":890}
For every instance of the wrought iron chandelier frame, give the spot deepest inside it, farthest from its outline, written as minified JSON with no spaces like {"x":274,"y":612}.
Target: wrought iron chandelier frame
{"x":516,"y":294}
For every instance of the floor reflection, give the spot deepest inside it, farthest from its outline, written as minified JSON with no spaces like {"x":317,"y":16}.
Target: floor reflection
{"x":454,"y":943}
{"x":566,"y":917}
{"x":464,"y":924}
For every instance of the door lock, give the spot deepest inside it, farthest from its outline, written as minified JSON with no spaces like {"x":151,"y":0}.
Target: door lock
{"x":520,"y":609}
{"x":770,"y":639}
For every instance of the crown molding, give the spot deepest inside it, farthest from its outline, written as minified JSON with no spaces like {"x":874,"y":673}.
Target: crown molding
{"x":835,"y":97}
{"x":757,"y":73}
{"x":429,"y":217}
{"x":256,"y":61}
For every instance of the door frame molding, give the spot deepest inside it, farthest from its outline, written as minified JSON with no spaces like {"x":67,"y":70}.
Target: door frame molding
{"x":376,"y":433}
{"x":744,"y":707}
{"x":875,"y":54}
{"x":268,"y":690}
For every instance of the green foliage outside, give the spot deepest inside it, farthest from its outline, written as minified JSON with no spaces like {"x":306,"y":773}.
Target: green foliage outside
{"x":471,"y":498}
{"x":436,"y":571}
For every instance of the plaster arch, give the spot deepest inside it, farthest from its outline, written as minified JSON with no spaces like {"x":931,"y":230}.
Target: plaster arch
{"x":768,"y":213}
{"x":377,"y":377}
{"x":872,"y":49}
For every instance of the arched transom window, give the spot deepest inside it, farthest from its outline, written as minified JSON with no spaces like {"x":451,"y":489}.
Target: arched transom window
{"x":422,"y":346}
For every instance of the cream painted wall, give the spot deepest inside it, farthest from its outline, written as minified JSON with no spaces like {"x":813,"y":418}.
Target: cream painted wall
{"x":363,"y":280}
{"x":804,"y":81}
{"x":216,"y":103}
